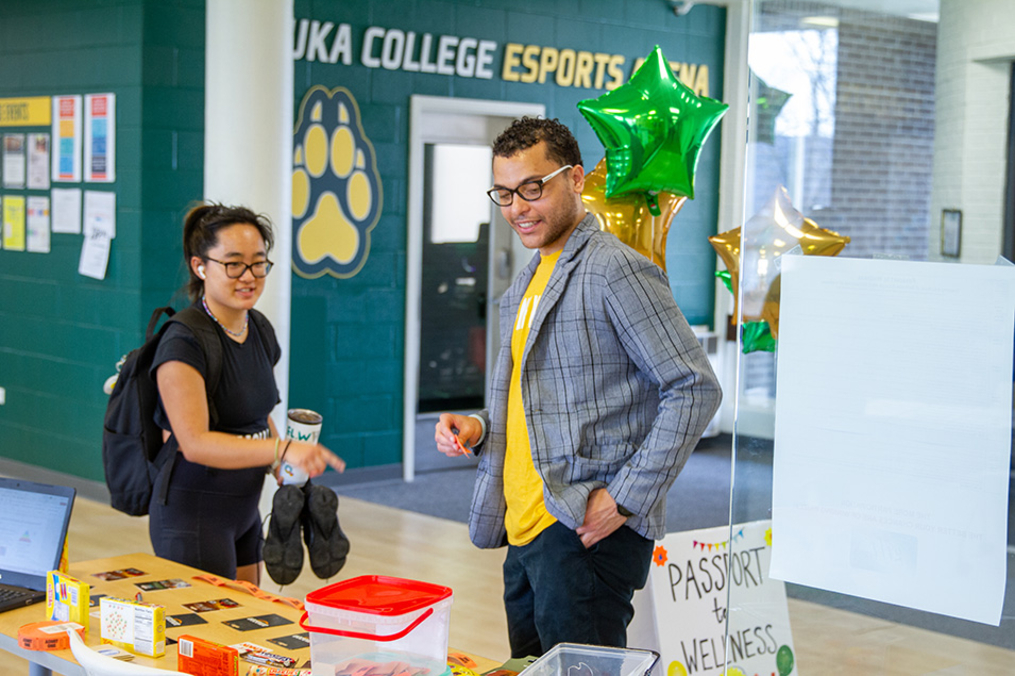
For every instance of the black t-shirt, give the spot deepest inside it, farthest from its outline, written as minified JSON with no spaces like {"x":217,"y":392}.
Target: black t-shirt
{"x":246,"y":391}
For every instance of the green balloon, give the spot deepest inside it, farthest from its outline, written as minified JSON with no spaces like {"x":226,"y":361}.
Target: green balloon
{"x":653,"y":128}
{"x":784,"y":660}
{"x":757,"y":337}
{"x":726,"y":278}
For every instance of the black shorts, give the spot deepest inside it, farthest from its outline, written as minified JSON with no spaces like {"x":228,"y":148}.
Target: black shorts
{"x":211,"y":520}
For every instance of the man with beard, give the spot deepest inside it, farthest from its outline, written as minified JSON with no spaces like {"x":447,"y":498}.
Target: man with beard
{"x":599,"y":394}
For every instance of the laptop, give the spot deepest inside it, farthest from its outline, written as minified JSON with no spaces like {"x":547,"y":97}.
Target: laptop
{"x":33,"y":526}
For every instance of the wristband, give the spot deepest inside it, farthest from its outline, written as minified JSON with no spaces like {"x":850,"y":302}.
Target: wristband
{"x":276,"y":462}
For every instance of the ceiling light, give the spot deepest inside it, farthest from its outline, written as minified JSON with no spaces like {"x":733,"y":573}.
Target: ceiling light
{"x":820,"y":21}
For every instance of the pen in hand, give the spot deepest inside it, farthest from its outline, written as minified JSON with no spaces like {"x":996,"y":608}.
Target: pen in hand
{"x":458,"y":442}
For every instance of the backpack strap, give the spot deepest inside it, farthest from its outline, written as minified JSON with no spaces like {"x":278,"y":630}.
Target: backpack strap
{"x":266,"y":330}
{"x":154,"y":321}
{"x":200,"y":324}
{"x":203,"y":328}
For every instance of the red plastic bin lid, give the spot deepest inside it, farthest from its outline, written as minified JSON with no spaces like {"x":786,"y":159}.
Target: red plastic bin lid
{"x":379,"y":595}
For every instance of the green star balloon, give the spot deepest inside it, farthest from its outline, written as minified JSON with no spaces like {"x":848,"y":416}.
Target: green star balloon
{"x":769,"y":104}
{"x":757,"y":337}
{"x":653,"y":128}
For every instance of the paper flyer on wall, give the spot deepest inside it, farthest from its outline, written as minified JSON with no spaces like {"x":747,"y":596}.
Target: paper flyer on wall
{"x":700,"y":578}
{"x":67,"y":138}
{"x":66,"y":210}
{"x":100,"y":138}
{"x":99,"y":231}
{"x":14,"y":161}
{"x":14,"y":222}
{"x":38,"y":161}
{"x":38,"y":224}
{"x":893,"y":431}
{"x":100,"y":209}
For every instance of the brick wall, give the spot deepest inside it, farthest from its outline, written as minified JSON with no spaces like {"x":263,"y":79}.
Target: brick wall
{"x":61,"y":333}
{"x":871,"y":180}
{"x":348,"y":334}
{"x":976,"y":48}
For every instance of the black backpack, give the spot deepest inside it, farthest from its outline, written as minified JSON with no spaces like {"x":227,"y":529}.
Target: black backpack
{"x":134,"y":456}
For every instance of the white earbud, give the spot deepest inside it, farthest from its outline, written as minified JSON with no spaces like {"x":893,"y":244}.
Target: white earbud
{"x":200,"y":271}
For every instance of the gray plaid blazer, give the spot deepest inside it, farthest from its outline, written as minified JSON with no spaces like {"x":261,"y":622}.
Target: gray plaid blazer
{"x":616,"y":388}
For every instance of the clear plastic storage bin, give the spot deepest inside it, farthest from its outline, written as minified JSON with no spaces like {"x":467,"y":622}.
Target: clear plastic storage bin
{"x":379,"y":619}
{"x":573,"y":659}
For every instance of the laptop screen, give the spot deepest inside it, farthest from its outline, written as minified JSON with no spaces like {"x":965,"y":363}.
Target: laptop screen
{"x":33,"y":524}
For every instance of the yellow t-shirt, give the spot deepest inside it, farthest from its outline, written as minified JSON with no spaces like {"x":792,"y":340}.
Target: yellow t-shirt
{"x":526,"y":515}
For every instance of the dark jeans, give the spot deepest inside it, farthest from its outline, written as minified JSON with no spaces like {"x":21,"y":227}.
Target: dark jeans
{"x":556,"y":590}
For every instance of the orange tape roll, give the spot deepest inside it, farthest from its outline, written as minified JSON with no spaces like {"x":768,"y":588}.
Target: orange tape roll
{"x":48,"y":635}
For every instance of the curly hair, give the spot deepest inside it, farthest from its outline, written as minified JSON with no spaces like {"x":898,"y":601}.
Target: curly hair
{"x":201,"y":228}
{"x":526,"y":132}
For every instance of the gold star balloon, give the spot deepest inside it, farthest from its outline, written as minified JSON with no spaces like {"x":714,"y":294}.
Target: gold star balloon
{"x":629,"y":216}
{"x":653,"y":128}
{"x":770,"y":233}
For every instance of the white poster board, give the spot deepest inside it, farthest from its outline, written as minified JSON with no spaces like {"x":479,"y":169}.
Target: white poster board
{"x":38,"y":224}
{"x":14,"y":161}
{"x":99,"y":231}
{"x":66,"y":210}
{"x":100,"y":138}
{"x":38,"y":161}
{"x":67,"y":138}
{"x":893,"y":431}
{"x":692,"y":574}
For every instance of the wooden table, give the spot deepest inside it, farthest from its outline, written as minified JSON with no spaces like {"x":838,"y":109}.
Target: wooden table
{"x":44,"y":663}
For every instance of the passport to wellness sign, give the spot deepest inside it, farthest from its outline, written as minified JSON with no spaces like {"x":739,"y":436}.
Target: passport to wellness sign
{"x":692,"y":573}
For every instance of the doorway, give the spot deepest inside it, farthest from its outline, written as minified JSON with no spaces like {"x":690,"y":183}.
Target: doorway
{"x":462,"y":256}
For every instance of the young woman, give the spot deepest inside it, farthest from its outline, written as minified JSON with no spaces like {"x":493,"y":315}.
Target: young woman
{"x":210,"y":519}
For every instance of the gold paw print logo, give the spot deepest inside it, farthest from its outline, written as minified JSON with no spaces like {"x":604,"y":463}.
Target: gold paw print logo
{"x":336,"y":187}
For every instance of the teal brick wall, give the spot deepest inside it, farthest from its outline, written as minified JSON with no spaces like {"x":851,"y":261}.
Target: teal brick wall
{"x":61,"y":333}
{"x":349,"y":334}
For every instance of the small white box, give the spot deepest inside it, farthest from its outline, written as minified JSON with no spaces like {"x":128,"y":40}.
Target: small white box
{"x":137,"y":627}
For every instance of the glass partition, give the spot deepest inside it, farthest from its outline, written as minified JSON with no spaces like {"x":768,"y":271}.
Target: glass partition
{"x":867,"y":278}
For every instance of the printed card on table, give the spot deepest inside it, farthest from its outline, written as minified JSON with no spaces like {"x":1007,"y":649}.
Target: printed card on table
{"x":259,"y":622}
{"x":119,"y":574}
{"x":159,"y":585}
{"x":214,"y":604}
{"x":184,"y":620}
{"x":292,"y":642}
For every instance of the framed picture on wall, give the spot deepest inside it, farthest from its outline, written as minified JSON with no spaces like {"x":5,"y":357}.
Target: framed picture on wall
{"x":951,"y":232}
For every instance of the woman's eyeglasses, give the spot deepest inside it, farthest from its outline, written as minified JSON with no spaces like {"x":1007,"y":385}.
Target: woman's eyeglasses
{"x":236,"y":269}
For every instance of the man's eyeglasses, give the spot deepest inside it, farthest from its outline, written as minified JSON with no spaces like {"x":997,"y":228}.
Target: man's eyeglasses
{"x":529,"y":191}
{"x":236,"y":269}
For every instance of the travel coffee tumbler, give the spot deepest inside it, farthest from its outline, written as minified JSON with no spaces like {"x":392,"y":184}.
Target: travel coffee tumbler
{"x":301,"y":425}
